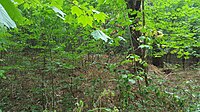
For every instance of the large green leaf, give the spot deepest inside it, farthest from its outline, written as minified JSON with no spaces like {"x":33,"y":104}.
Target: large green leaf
{"x":100,"y":35}
{"x":85,"y":20}
{"x":12,"y":11}
{"x":76,"y":10}
{"x":100,"y":17}
{"x":57,"y":3}
{"x":60,"y":13}
{"x":5,"y":18}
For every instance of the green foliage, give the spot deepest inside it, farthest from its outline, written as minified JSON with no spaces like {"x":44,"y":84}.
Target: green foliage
{"x":2,"y":74}
{"x":77,"y":55}
{"x":177,"y":20}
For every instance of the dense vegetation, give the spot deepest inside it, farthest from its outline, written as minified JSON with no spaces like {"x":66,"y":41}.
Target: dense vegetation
{"x":99,"y":55}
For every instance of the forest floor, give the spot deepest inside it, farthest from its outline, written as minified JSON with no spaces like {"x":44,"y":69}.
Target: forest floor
{"x":183,"y":84}
{"x":98,"y":85}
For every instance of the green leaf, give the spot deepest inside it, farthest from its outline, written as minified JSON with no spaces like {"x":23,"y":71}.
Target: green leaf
{"x":2,"y":74}
{"x":132,"y":81}
{"x":142,"y":38}
{"x":59,"y":12}
{"x":144,"y":46}
{"x":85,"y":20}
{"x":12,"y":11}
{"x":100,"y":17}
{"x":101,"y":2}
{"x":76,"y":10}
{"x":126,"y":62}
{"x":124,"y":76}
{"x":5,"y":18}
{"x":19,"y":1}
{"x":69,"y":19}
{"x":69,"y":66}
{"x":57,"y":3}
{"x":100,"y":35}
{"x":186,"y":53}
{"x":122,"y":38}
{"x":139,"y":78}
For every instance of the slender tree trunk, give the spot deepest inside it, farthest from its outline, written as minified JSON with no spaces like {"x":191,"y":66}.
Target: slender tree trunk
{"x":144,"y":56}
{"x":136,"y":5}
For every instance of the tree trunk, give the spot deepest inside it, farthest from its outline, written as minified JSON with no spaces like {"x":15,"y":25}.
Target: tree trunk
{"x":135,"y":6}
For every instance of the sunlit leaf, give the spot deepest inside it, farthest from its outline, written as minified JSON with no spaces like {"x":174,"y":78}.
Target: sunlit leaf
{"x":101,"y":1}
{"x":121,"y":38}
{"x":76,"y":10}
{"x":144,"y":46}
{"x":12,"y":11}
{"x":57,"y":3}
{"x":18,"y":1}
{"x":60,"y":13}
{"x":132,"y":81}
{"x":100,"y":35}
{"x":85,"y":20}
{"x":5,"y":18}
{"x":100,"y":17}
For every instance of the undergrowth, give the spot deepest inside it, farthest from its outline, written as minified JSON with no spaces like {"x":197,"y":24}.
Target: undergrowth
{"x":102,"y":87}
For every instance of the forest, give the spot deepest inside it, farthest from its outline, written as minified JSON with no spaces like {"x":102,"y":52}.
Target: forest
{"x":99,"y":55}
